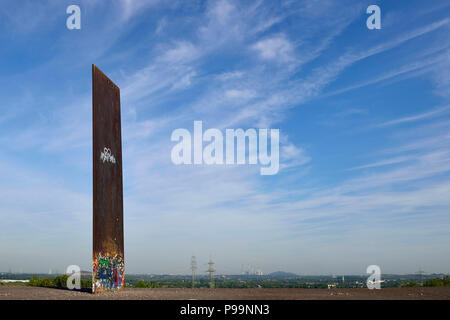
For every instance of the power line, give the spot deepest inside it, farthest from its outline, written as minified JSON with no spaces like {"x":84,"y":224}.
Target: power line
{"x":420,"y":273}
{"x":193,"y":268}
{"x":211,"y":273}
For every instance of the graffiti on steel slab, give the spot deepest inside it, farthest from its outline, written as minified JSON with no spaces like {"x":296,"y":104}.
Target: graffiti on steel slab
{"x":106,"y":156}
{"x":108,"y":272}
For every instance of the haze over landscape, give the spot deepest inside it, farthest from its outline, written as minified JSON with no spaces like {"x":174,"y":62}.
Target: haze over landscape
{"x":364,"y":119}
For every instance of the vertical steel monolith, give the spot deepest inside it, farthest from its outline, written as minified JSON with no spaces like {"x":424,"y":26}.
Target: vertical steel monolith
{"x":108,"y":250}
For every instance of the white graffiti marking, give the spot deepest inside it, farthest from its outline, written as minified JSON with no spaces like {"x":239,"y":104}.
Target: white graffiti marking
{"x":106,"y":156}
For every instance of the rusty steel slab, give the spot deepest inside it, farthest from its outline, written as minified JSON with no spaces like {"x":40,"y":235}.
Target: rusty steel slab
{"x":108,"y":250}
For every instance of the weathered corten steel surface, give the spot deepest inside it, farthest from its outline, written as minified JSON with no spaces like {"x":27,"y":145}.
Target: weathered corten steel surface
{"x":108,"y":253}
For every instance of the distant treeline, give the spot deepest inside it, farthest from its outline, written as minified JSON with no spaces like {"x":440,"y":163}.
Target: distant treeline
{"x":174,"y":281}
{"x":145,"y":284}
{"x":58,"y":282}
{"x":435,"y":282}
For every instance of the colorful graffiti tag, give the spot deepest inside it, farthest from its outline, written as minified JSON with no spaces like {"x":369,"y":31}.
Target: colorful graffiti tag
{"x":108,"y":273}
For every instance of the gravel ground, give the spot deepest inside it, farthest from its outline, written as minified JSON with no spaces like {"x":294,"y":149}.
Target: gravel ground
{"x":35,"y":293}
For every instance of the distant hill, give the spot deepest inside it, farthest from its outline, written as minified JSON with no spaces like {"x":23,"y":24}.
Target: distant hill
{"x":282,"y":274}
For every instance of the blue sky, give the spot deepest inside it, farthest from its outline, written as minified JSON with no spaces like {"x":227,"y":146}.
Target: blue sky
{"x":364,"y":119}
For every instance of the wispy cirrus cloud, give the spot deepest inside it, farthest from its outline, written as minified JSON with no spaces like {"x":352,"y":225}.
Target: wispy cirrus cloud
{"x":421,"y":116}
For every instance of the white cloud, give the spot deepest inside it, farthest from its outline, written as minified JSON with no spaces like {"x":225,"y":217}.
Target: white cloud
{"x":441,"y":77}
{"x":417,"y":117}
{"x":240,"y":94}
{"x":277,"y":48}
{"x":382,"y":163}
{"x":181,"y":52}
{"x":162,"y":24}
{"x":133,"y":7}
{"x":221,"y":12}
{"x":226,"y":76}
